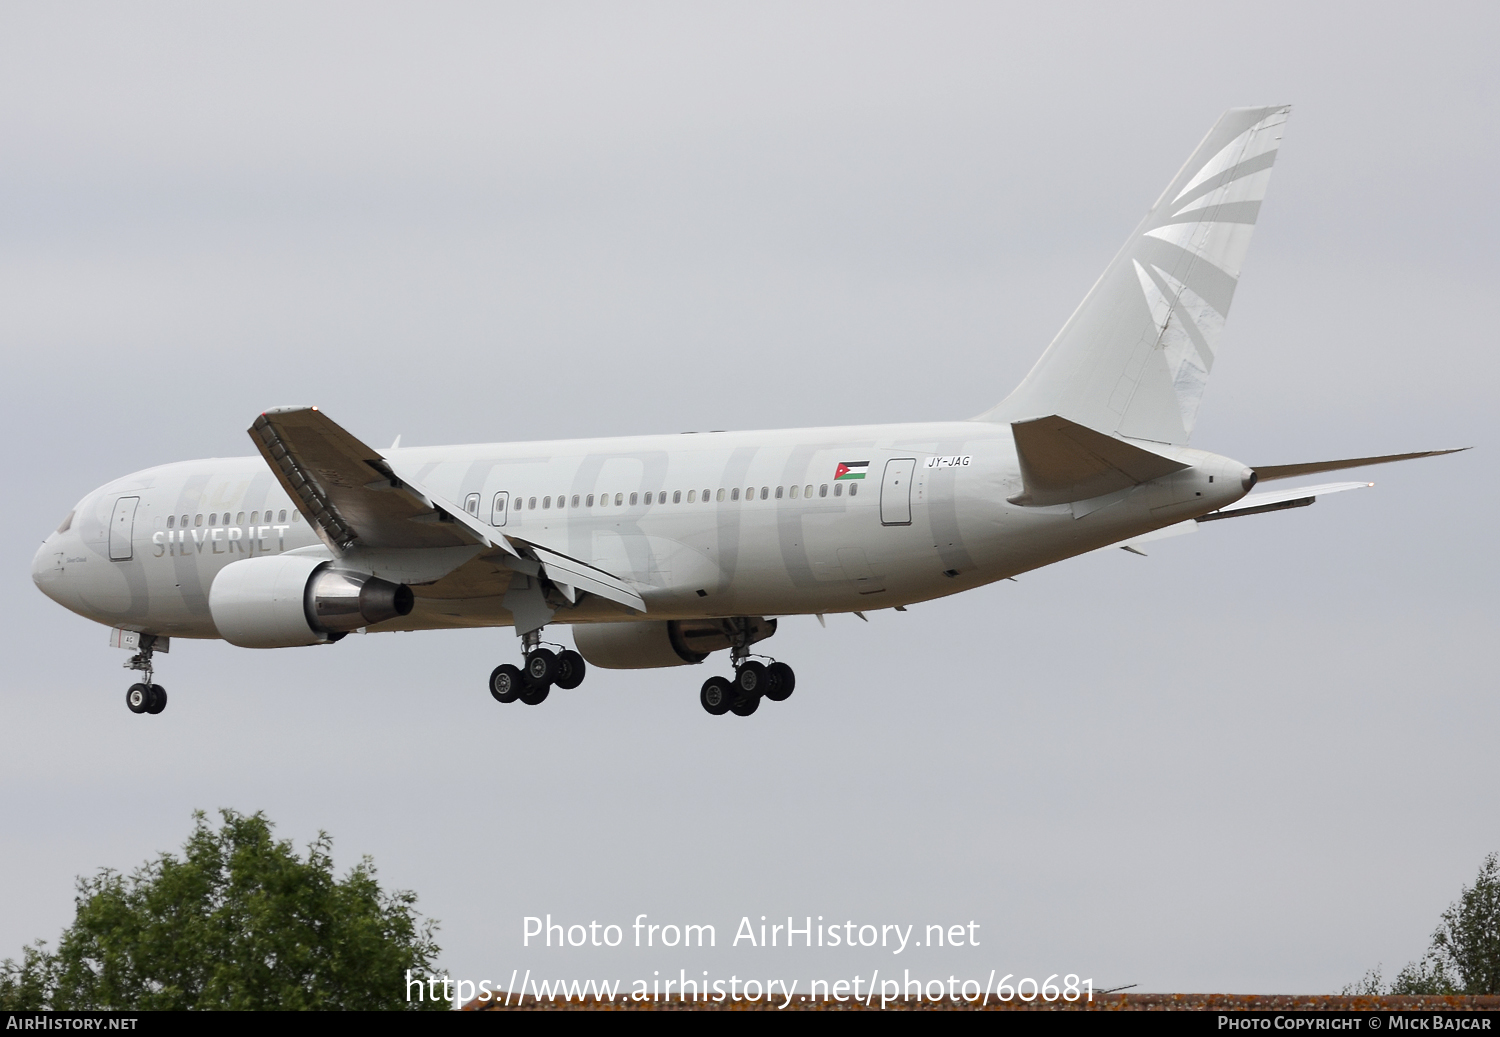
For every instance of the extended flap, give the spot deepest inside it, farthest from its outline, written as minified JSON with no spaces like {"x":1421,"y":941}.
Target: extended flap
{"x":571,"y":572}
{"x":1063,"y":461}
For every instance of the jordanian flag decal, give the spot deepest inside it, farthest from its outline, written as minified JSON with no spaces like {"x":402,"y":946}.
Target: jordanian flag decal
{"x":850,"y":470}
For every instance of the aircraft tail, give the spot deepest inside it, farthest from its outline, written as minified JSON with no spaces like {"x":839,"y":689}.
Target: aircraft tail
{"x":1135,"y":356}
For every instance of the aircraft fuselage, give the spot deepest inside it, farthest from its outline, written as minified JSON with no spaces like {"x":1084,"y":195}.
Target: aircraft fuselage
{"x":738,"y":524}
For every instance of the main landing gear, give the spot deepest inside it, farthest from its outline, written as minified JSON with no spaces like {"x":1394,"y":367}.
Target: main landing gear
{"x":145,"y":697}
{"x":543,"y":669}
{"x":753,"y":680}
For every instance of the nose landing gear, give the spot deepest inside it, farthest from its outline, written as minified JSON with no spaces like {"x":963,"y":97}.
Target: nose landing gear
{"x":543,"y":669}
{"x":145,"y":697}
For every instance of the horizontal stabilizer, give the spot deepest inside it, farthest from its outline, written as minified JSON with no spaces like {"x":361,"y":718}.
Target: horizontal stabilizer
{"x":1279,"y":500}
{"x":1255,"y":504}
{"x":1063,"y":461}
{"x":1291,"y":471}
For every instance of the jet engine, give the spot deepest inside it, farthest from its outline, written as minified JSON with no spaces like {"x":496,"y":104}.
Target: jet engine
{"x":646,"y":644}
{"x":282,"y":601}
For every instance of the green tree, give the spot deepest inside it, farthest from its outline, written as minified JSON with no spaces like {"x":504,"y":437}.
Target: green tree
{"x":1464,"y":957}
{"x":240,"y":921}
{"x":1469,"y":937}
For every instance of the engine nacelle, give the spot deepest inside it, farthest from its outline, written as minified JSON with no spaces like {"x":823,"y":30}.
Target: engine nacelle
{"x":283,"y":601}
{"x":645,"y":644}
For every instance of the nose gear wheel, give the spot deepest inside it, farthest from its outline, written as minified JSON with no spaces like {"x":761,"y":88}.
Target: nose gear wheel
{"x":145,"y":697}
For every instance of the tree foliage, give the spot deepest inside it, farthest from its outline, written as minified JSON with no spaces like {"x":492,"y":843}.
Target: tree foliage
{"x":1464,"y":957}
{"x":240,"y":921}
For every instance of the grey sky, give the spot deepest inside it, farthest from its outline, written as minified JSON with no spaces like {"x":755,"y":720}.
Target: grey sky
{"x":1261,"y":759}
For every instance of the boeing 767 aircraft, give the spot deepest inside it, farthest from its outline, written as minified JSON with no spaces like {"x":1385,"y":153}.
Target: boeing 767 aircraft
{"x":661,"y":550}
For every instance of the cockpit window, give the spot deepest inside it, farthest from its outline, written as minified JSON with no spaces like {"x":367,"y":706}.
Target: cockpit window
{"x":67,"y":523}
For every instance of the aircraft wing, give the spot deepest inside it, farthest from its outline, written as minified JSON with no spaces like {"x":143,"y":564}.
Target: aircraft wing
{"x":350,"y":494}
{"x":358,"y":500}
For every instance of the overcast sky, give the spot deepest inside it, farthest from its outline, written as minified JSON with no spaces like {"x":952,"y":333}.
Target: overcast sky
{"x":1260,"y":760}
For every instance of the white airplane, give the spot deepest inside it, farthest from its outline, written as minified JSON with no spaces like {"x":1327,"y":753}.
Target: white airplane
{"x":660,"y":550}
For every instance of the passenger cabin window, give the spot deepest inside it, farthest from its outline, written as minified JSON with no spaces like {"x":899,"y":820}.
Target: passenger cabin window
{"x":823,"y":490}
{"x":546,"y":503}
{"x":531,"y":504}
{"x":838,"y":489}
{"x":765,"y":491}
{"x":283,"y":516}
{"x":171,"y":522}
{"x":794,"y":493}
{"x":239,"y":520}
{"x":634,"y":497}
{"x":853,"y":488}
{"x":778,"y":493}
{"x":296,"y":516}
{"x":648,"y":496}
{"x":198,"y":520}
{"x":213,"y":519}
{"x":692,"y":496}
{"x":575,"y":500}
{"x":591,"y":500}
{"x":471,"y":504}
{"x":619,"y":499}
{"x":676,"y":496}
{"x":705,"y":496}
{"x":808,"y":491}
{"x":720,"y":495}
{"x":734,"y":494}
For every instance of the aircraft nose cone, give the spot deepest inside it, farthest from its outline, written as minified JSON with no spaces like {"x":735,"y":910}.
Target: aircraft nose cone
{"x":45,"y":569}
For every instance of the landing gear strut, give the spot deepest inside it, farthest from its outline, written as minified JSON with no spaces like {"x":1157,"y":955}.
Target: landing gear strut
{"x":542,"y":669}
{"x":752,"y":681}
{"x":145,"y":697}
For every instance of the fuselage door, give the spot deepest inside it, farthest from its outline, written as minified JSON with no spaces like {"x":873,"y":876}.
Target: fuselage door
{"x":499,"y":509}
{"x":895,"y":491}
{"x":122,"y":529}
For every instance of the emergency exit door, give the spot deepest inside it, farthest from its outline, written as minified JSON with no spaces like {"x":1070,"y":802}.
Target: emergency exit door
{"x":895,"y":491}
{"x":122,"y":529}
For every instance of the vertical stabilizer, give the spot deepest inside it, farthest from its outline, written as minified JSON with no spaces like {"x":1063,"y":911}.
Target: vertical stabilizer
{"x":1135,"y":356}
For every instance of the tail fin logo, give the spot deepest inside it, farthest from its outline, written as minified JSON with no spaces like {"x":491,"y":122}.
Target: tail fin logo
{"x":1206,"y":233}
{"x":1140,"y":371}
